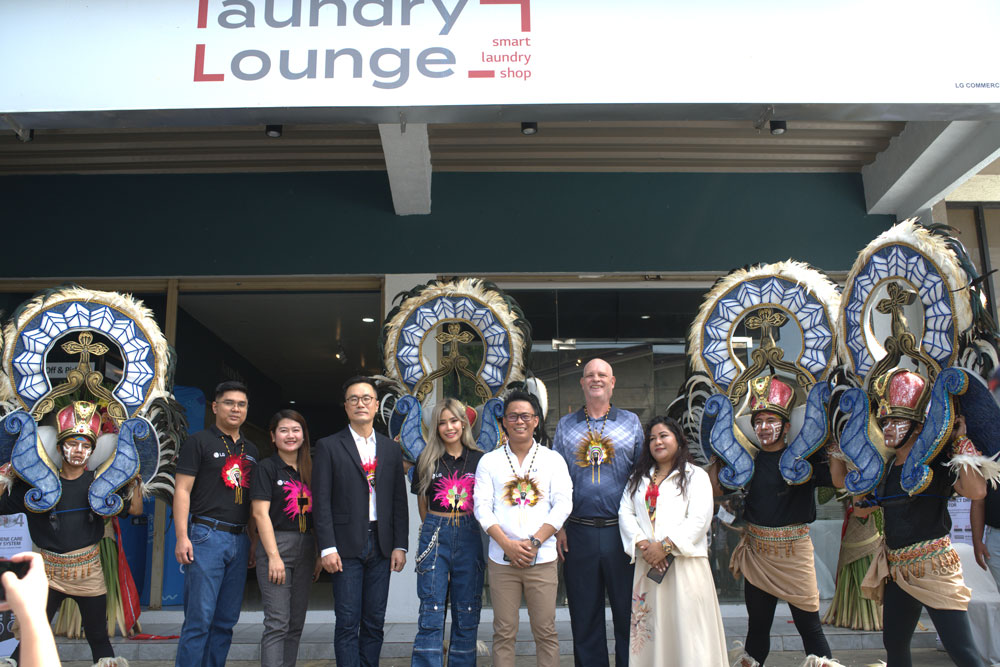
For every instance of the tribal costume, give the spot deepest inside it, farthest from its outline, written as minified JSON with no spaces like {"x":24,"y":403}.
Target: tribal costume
{"x":107,"y":407}
{"x":901,"y":435}
{"x":762,"y":447}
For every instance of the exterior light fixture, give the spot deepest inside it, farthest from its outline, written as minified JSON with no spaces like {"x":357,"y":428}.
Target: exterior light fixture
{"x":367,"y":320}
{"x":273,"y":131}
{"x":644,"y":317}
{"x":778,"y":127}
{"x":529,"y":128}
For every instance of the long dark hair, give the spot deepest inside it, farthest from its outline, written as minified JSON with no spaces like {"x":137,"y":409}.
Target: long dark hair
{"x":304,"y":461}
{"x":645,"y":461}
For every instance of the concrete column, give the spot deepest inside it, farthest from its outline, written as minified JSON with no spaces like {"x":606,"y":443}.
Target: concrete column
{"x":404,"y":604}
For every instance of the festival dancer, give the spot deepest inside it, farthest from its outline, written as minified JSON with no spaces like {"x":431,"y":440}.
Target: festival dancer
{"x":78,"y":442}
{"x":917,"y":567}
{"x":783,"y":314}
{"x":68,"y":534}
{"x":906,"y":445}
{"x":775,"y":554}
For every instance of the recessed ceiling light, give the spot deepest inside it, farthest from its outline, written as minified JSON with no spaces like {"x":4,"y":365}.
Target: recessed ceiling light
{"x":644,"y":317}
{"x":367,"y":320}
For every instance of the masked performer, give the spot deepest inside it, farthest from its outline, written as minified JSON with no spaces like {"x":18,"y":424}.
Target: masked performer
{"x":69,"y":477}
{"x":907,"y":447}
{"x":68,"y":534}
{"x":759,"y":454}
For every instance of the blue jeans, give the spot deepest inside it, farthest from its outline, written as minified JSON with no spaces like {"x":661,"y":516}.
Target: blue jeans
{"x":448,"y":554}
{"x":992,"y":542}
{"x":360,"y":593}
{"x":213,"y":595}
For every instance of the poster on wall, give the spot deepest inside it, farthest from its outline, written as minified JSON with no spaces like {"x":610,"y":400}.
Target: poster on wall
{"x":13,"y":540}
{"x":215,"y":54}
{"x":961,"y":526}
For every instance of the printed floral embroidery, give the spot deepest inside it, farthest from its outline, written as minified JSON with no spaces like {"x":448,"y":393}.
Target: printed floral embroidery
{"x":236,"y":474}
{"x":455,"y":492}
{"x":298,"y":501}
{"x":641,"y":617}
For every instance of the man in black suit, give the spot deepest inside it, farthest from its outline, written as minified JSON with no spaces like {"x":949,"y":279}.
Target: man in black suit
{"x":361,"y":522}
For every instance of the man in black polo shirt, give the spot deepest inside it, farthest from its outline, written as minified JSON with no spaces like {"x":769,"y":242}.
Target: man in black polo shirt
{"x":213,"y":487}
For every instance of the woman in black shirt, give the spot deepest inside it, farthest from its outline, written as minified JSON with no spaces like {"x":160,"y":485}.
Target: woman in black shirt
{"x":450,"y":551}
{"x":286,"y":553}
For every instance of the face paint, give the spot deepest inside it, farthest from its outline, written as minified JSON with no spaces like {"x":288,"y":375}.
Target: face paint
{"x":896,"y":431}
{"x":76,"y":451}
{"x":768,"y":427}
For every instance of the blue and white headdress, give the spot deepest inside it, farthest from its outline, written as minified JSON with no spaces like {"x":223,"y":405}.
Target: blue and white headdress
{"x":144,"y":421}
{"x":774,"y":320}
{"x":912,"y":301}
{"x":451,"y":313}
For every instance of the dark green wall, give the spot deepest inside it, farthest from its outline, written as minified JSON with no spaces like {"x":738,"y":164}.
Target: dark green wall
{"x":343,"y":223}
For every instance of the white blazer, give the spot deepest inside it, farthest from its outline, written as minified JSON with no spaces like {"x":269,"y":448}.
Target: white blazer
{"x":684,"y":519}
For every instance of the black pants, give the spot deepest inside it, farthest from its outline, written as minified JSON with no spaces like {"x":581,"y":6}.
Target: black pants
{"x":760,"y":613}
{"x":596,"y":563}
{"x":900,"y":614}
{"x":94,"y":615}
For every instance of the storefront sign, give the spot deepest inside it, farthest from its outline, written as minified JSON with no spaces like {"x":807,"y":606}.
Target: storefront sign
{"x":66,"y":55}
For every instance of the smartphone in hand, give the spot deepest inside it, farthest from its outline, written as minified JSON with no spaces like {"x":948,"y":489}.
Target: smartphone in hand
{"x":657,"y":575}
{"x":19,"y":568}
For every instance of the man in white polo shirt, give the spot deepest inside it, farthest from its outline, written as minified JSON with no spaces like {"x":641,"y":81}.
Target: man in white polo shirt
{"x":523,"y":496}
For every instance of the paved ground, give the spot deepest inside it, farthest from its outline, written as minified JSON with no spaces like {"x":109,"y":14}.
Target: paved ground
{"x":853,"y":649}
{"x":856,"y":658}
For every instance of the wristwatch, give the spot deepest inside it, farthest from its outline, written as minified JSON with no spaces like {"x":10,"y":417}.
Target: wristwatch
{"x":535,"y":542}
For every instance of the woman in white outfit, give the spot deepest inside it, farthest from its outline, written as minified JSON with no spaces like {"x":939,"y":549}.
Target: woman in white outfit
{"x":664,"y":520}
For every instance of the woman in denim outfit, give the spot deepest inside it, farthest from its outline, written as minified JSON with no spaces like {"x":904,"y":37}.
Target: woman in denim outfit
{"x":450,"y":547}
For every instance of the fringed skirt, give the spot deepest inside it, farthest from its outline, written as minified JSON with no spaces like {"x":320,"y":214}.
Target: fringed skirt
{"x":929,"y":571}
{"x":76,"y":572}
{"x":849,"y":608}
{"x":780,"y":562}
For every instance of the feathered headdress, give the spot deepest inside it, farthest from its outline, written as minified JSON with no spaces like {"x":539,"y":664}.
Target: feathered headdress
{"x":78,"y":320}
{"x":763,"y":299}
{"x":912,"y":301}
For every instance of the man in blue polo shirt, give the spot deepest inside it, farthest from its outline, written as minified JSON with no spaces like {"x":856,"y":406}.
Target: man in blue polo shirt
{"x":600,"y":444}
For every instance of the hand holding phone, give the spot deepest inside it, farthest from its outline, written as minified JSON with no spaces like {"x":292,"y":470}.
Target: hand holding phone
{"x":18,"y":567}
{"x":656,"y":575}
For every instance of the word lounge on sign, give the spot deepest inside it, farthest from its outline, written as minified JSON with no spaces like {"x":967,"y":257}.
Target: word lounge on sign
{"x":391,"y":67}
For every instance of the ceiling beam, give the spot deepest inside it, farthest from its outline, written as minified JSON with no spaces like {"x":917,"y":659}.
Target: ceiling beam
{"x":408,"y":162}
{"x":927,"y":161}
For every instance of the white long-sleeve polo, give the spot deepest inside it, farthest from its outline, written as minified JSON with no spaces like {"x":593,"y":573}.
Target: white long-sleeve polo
{"x":493,"y":505}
